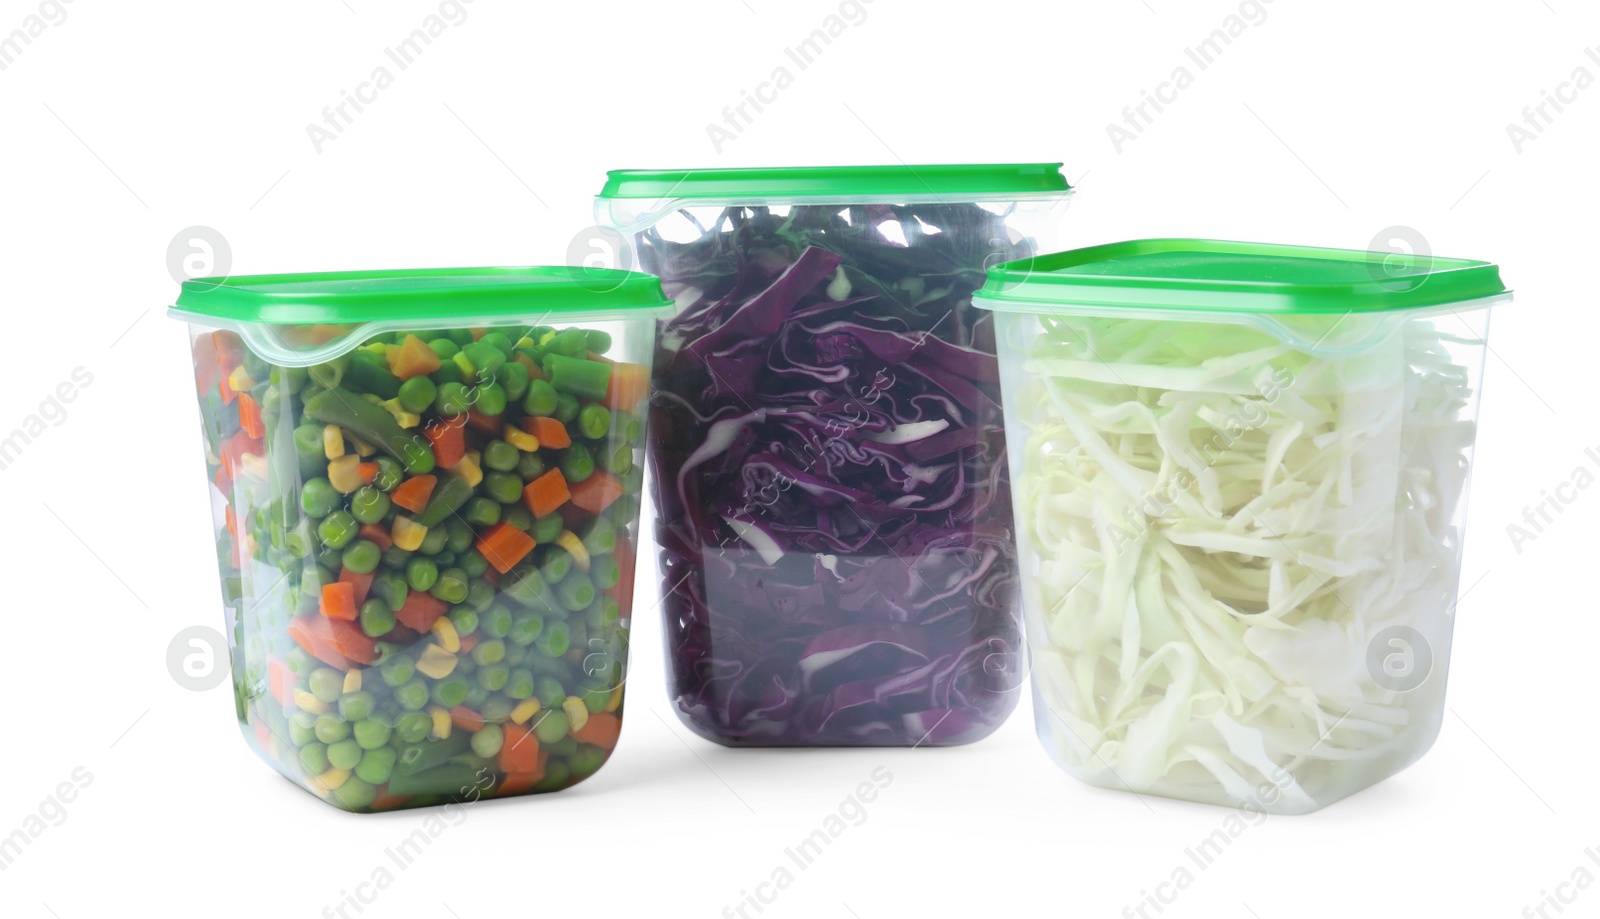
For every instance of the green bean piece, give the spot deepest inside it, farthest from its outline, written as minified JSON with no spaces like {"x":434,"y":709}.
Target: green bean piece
{"x":433,"y":542}
{"x":300,"y":661}
{"x":566,"y":408}
{"x":455,"y":781}
{"x":519,"y":685}
{"x":361,"y":556}
{"x":549,"y":691}
{"x":525,"y":631}
{"x":308,"y":450}
{"x":337,"y":529}
{"x":572,"y":342}
{"x":486,"y":359}
{"x":461,"y":535}
{"x":451,"y":691}
{"x":397,"y":671}
{"x":369,"y":504}
{"x":496,"y":621}
{"x":600,"y":536}
{"x":413,"y":695}
{"x":594,"y":421}
{"x":541,"y":399}
{"x":417,"y":394}
{"x":396,"y":558}
{"x":480,"y":595}
{"x":489,"y":652}
{"x":355,"y":706}
{"x":421,"y":574}
{"x":629,"y":429}
{"x":451,"y":587}
{"x":424,"y":756}
{"x":500,"y":456}
{"x":328,"y":375}
{"x":555,"y":640}
{"x":377,"y":619}
{"x":318,"y":497}
{"x":615,"y":458}
{"x":576,"y":591}
{"x":517,"y":515}
{"x":450,"y":494}
{"x":465,"y":619}
{"x":555,"y":563}
{"x":492,"y":677}
{"x":524,"y":585}
{"x":298,"y":541}
{"x":585,"y":379}
{"x":514,"y":377}
{"x":412,"y":727}
{"x":476,"y":696}
{"x":597,"y":341}
{"x":373,"y":424}
{"x":368,"y":373}
{"x":605,"y":572}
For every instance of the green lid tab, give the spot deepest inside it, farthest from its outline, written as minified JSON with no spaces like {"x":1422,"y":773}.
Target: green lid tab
{"x":428,"y":295}
{"x":1234,"y":277}
{"x":965,"y":182}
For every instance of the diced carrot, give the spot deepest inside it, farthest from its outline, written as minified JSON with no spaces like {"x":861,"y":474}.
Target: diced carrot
{"x":519,"y":751}
{"x":359,"y":583}
{"x":413,"y":493}
{"x":468,"y":642}
{"x":516,"y":783}
{"x":420,"y":611}
{"x":602,"y":730}
{"x":413,"y":358}
{"x":263,"y":734}
{"x":377,"y":534}
{"x":504,"y":546}
{"x":622,"y":591}
{"x":483,"y":424}
{"x":596,"y":493}
{"x":235,"y":447}
{"x":230,"y":521}
{"x":339,"y":600}
{"x":388,"y":802}
{"x":313,"y":634}
{"x":629,"y":386}
{"x":347,"y":638}
{"x":448,"y":439}
{"x":367,"y":471}
{"x":548,"y":431}
{"x":465,"y":718}
{"x":534,"y":373}
{"x":280,"y":681}
{"x":205,"y":362}
{"x":546,"y":493}
{"x":250,"y":416}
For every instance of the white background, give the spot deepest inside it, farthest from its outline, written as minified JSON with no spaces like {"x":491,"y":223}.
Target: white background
{"x":1322,"y":125}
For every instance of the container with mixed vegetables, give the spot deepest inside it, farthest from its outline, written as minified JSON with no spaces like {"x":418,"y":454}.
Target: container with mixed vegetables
{"x":427,"y":553}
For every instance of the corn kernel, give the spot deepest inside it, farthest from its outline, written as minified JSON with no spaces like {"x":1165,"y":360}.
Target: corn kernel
{"x":343,"y":474}
{"x":352,"y":681}
{"x":402,"y":417}
{"x":441,"y":722}
{"x":309,"y":703}
{"x":239,"y":380}
{"x":465,"y":364}
{"x":525,"y":709}
{"x":333,"y":778}
{"x":577,"y":712}
{"x":580,"y":555}
{"x":436,"y":663}
{"x":467,"y":468}
{"x":615,"y":701}
{"x":449,"y":639}
{"x":253,"y":466}
{"x":332,"y":442}
{"x":363,"y":449}
{"x":408,"y":534}
{"x":519,"y":438}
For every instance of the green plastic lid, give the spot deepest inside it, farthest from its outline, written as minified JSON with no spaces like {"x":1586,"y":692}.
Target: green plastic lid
{"x":420,"y":295}
{"x":1235,"y":277}
{"x":964,"y":181}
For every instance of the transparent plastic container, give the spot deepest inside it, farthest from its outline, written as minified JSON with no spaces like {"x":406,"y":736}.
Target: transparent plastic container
{"x":425,"y":494}
{"x":1241,"y":479}
{"x":834,"y":520}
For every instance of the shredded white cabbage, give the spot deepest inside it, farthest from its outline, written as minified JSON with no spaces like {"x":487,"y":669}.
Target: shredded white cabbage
{"x":1217,"y":525}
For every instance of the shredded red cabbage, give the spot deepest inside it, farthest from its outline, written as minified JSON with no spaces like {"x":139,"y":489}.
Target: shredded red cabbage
{"x":829,"y":457}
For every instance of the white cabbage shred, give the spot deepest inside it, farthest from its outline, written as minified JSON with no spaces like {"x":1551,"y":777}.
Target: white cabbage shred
{"x":1217,"y":525}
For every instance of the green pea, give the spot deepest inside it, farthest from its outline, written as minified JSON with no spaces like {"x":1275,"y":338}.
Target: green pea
{"x":597,"y":341}
{"x":551,"y":726}
{"x":326,"y":684}
{"x":368,"y":504}
{"x":473,"y":563}
{"x":577,"y":463}
{"x":417,"y":394}
{"x":600,"y":536}
{"x":476,"y":696}
{"x":556,"y":777}
{"x":337,"y":529}
{"x":452,"y":399}
{"x":624,"y":509}
{"x":465,"y":619}
{"x":530,"y":466}
{"x":541,"y":399}
{"x":493,"y":677}
{"x":617,"y":458}
{"x":486,"y":359}
{"x":486,"y":742}
{"x":391,"y":589}
{"x":564,"y":747}
{"x":355,"y":794}
{"x":390,"y":474}
{"x":377,"y":619}
{"x":412,"y":727}
{"x":451,"y":586}
{"x":371,"y":733}
{"x":422,"y":574}
{"x":516,"y":514}
{"x":397,"y":671}
{"x":628,"y":427}
{"x":298,"y":541}
{"x":596,"y":698}
{"x":481,"y":512}
{"x":525,"y":631}
{"x":362,"y":556}
{"x":525,"y":586}
{"x":489,"y":652}
{"x":500,"y":456}
{"x":345,"y":754}
{"x":395,"y":558}
{"x":450,"y":691}
{"x":498,"y":340}
{"x":555,"y":640}
{"x":496,"y":710}
{"x":444,"y":347}
{"x":497,"y":621}
{"x":503,"y":487}
{"x":594,"y":420}
{"x":314,"y":758}
{"x":354,"y":706}
{"x":460,"y":535}
{"x":547,"y":528}
{"x":448,"y":372}
{"x":300,"y":661}
{"x":413,"y":695}
{"x":566,"y":407}
{"x":377,"y":764}
{"x":302,"y":728}
{"x":318,"y":497}
{"x":520,"y":684}
{"x":514,"y":377}
{"x":491,"y":399}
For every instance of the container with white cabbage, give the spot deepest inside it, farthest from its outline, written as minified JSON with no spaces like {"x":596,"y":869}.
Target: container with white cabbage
{"x":1240,"y":475}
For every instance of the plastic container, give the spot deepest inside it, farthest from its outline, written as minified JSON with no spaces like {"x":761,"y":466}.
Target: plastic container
{"x":1241,"y":476}
{"x":828,"y":459}
{"x":427,"y":581}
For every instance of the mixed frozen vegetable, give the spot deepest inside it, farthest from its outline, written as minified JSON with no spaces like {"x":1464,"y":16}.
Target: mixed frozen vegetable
{"x":427,"y":555}
{"x":1223,"y":526}
{"x":834,"y":513}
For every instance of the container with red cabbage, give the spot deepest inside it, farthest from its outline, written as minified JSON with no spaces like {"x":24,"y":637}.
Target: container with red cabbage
{"x":837,"y":563}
